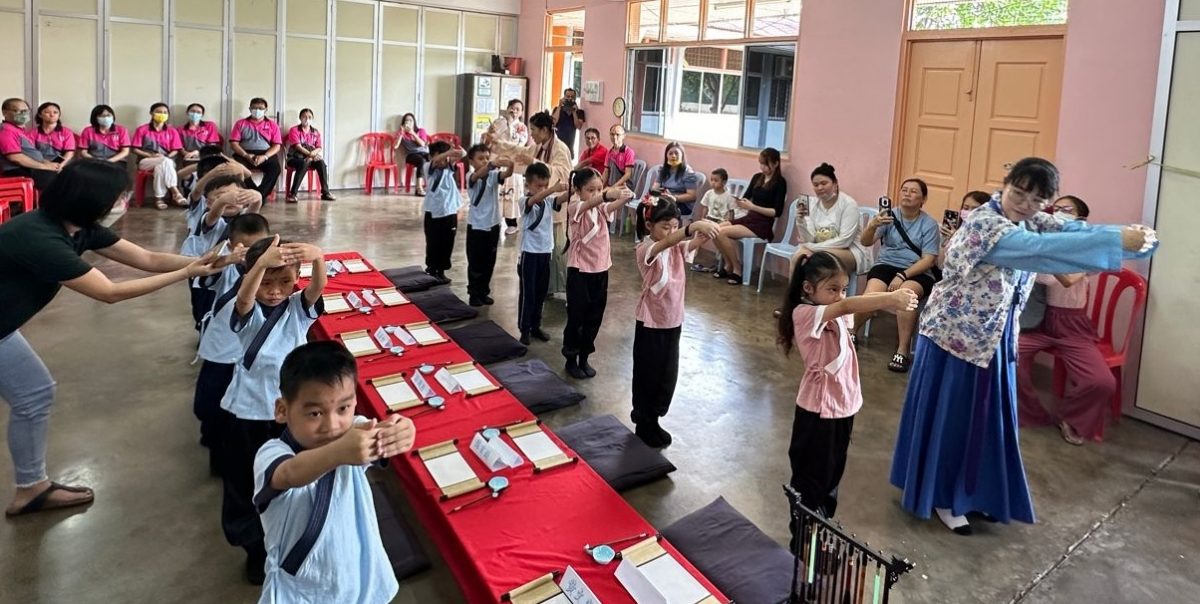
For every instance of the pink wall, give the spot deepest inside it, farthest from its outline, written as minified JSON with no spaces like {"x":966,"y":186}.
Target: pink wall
{"x":1109,"y":80}
{"x":844,"y":100}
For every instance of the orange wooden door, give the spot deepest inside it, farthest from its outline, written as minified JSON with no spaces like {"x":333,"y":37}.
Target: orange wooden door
{"x":938,"y":119}
{"x":1016,"y":114}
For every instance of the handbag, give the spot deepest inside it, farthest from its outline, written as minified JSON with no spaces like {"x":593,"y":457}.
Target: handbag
{"x":1035,"y":308}
{"x":935,"y":271}
{"x":413,"y":146}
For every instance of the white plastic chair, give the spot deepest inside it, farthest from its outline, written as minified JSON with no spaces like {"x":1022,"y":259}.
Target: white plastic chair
{"x":635,"y":184}
{"x":784,"y":248}
{"x":642,"y":190}
{"x":737,"y":187}
{"x":865,"y":215}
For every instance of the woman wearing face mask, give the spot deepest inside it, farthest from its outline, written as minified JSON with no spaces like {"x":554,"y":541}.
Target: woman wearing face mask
{"x":54,"y":140}
{"x":550,"y":150}
{"x":304,"y":154}
{"x":1066,"y":332}
{"x":970,"y":201}
{"x":763,"y":201}
{"x":507,"y":135}
{"x":957,"y":450}
{"x":157,"y":144}
{"x":104,"y":138}
{"x":196,"y":134}
{"x":831,"y":224}
{"x":19,"y":157}
{"x":675,"y":180}
{"x":415,"y":141}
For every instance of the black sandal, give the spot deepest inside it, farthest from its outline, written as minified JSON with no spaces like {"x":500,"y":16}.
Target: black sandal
{"x":42,"y":502}
{"x":899,"y":363}
{"x":734,"y":279}
{"x":720,"y":274}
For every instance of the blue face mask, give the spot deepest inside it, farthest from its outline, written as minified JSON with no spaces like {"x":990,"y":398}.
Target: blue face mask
{"x":105,"y":121}
{"x":195,"y":116}
{"x":258,"y":114}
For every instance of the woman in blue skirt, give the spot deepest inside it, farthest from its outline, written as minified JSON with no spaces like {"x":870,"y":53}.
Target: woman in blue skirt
{"x":957,"y":449}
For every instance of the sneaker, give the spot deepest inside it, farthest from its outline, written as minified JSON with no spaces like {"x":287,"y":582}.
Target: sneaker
{"x":441,"y":277}
{"x":328,"y":197}
{"x":291,"y":199}
{"x":587,"y":369}
{"x":475,"y":301}
{"x":700,"y":268}
{"x":663,"y":435}
{"x":649,"y":433}
{"x":539,"y":334}
{"x":574,"y":370}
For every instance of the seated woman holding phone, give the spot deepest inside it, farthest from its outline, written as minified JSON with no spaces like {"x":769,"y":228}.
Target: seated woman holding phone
{"x":830,"y":224}
{"x":675,"y":181}
{"x":952,"y":220}
{"x":763,"y":201}
{"x":907,"y":260}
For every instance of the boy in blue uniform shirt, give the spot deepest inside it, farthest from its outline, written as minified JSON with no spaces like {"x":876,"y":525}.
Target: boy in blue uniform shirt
{"x":311,"y":488}
{"x":537,"y":245}
{"x":219,"y":346}
{"x":483,"y":221}
{"x":224,"y":202}
{"x":271,"y":320}
{"x":441,"y":205}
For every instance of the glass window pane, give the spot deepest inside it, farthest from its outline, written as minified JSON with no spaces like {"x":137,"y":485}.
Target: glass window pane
{"x":12,"y":48}
{"x":646,"y":88}
{"x":479,"y":31}
{"x":355,"y":20}
{"x":198,"y":71}
{"x":965,"y":14}
{"x":252,"y":76}
{"x":477,"y":62}
{"x":254,"y":14}
{"x":68,"y":78}
{"x":400,"y":23}
{"x":353,"y":119}
{"x":439,"y":103}
{"x":683,"y":20}
{"x":508,"y":36}
{"x":776,"y":18}
{"x":305,"y":86}
{"x":1189,"y":10}
{"x":566,"y":29}
{"x":130,"y":59}
{"x":644,"y":22}
{"x":307,"y":17}
{"x":82,"y":7}
{"x":726,"y":20}
{"x":731,"y":93}
{"x":399,"y":85}
{"x":753,"y":87}
{"x":151,"y":10}
{"x":200,"y":12}
{"x":441,"y":28}
{"x":13,"y":4}
{"x":689,"y":91}
{"x":709,"y":92}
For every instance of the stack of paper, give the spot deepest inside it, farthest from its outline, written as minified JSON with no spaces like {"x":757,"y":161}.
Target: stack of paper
{"x":425,"y":334}
{"x":359,"y":343}
{"x":305,"y":270}
{"x":390,"y":296}
{"x":395,"y":392}
{"x":334,"y":303}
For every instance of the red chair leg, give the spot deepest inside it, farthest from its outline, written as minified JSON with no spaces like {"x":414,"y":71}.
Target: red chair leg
{"x":1117,"y":396}
{"x":370,"y":174}
{"x":408,"y":172}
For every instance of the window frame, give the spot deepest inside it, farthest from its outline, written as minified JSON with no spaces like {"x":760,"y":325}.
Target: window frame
{"x":910,"y":8}
{"x":702,"y":39}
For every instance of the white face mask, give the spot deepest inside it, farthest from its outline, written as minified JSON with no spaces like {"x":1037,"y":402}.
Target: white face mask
{"x":1064,"y":217}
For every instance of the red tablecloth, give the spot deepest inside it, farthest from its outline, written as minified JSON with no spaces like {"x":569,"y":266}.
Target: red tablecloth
{"x":540,"y":524}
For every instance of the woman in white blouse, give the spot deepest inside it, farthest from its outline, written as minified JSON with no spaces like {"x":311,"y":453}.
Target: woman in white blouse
{"x":832,"y":224}
{"x":507,"y":135}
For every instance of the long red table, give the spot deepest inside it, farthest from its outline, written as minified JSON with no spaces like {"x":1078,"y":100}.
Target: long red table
{"x":540,"y":524}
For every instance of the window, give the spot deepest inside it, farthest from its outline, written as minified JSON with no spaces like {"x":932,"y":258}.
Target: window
{"x":654,"y":21}
{"x":564,"y":55}
{"x":645,"y":22}
{"x":776,"y":18}
{"x":725,"y":96}
{"x":967,"y":14}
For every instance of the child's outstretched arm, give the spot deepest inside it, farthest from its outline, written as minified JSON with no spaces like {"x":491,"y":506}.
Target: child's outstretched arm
{"x":899,"y":300}
{"x":611,"y":198}
{"x":216,"y":206}
{"x":443,"y":159}
{"x":354,"y":448}
{"x":675,"y":238}
{"x":548,"y":191}
{"x":707,"y":228}
{"x":506,"y":168}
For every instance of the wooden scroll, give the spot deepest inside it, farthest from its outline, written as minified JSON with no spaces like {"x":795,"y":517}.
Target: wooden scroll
{"x":335,"y":303}
{"x":396,"y":392}
{"x":425,"y":333}
{"x":470,"y":378}
{"x":359,"y":343}
{"x":449,"y":469}
{"x":537,"y":446}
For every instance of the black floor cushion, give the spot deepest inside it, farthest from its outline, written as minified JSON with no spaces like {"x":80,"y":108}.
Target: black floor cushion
{"x":536,"y":386}
{"x":442,"y":306}
{"x":410,"y":278}
{"x":744,"y":563}
{"x":403,"y":549}
{"x":619,"y":456}
{"x":487,"y":342}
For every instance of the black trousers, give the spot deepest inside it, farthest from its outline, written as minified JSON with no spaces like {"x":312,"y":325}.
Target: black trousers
{"x":439,"y":241}
{"x":534,"y":273}
{"x":481,"y":260}
{"x":202,"y":302}
{"x":655,"y":371}
{"x":587,"y":297}
{"x":300,"y":167}
{"x":270,"y":173}
{"x":420,"y":161}
{"x":41,"y":178}
{"x":211,"y":384}
{"x":818,"y":456}
{"x":243,"y":438}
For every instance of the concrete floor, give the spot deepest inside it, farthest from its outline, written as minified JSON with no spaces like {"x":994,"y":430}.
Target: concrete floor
{"x":1118,"y":521}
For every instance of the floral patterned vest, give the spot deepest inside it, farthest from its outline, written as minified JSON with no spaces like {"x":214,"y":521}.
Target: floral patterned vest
{"x":969,"y":308}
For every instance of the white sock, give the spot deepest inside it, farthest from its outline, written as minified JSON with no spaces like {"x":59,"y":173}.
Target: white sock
{"x":951,"y":521}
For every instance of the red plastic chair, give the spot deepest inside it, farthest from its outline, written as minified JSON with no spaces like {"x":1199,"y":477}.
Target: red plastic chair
{"x":455,"y":142}
{"x":4,"y":216}
{"x":139,"y":186}
{"x":377,"y":149}
{"x":287,"y":179}
{"x":19,"y":190}
{"x":1109,"y":289}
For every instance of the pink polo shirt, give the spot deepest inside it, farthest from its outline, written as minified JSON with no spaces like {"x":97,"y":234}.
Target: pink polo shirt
{"x":660,"y":305}
{"x":157,"y":141}
{"x":60,"y":141}
{"x":14,"y":140}
{"x":255,"y":136}
{"x":617,"y":160}
{"x":297,"y":136}
{"x":830,"y":385}
{"x":200,"y":136}
{"x":588,"y":232}
{"x":104,"y":145}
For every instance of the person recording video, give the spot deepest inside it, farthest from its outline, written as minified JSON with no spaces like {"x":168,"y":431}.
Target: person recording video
{"x":568,"y":118}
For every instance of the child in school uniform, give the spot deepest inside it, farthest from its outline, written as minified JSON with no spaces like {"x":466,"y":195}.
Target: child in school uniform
{"x":224,"y":202}
{"x":441,"y":205}
{"x":816,"y":321}
{"x":219,"y":346}
{"x":215,"y":164}
{"x":589,"y":210}
{"x":317,"y":466}
{"x":662,"y":259}
{"x":537,"y":245}
{"x":483,"y":221}
{"x":271,"y":320}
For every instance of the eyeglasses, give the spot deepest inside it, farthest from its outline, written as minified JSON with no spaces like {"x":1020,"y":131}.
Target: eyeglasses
{"x":1026,"y":198}
{"x":1065,"y":209}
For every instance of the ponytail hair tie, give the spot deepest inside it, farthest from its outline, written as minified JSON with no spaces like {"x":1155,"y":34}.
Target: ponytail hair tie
{"x":803,"y":260}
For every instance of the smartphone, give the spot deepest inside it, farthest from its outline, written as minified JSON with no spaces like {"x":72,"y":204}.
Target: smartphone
{"x":885,"y":205}
{"x":655,"y":193}
{"x":951,"y":219}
